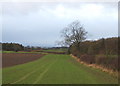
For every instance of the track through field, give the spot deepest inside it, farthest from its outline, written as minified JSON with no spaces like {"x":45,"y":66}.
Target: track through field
{"x":55,"y":69}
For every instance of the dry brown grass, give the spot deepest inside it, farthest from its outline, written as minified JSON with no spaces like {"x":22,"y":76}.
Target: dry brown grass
{"x":110,"y":71}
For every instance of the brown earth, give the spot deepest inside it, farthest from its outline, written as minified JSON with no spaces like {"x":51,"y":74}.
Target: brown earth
{"x":11,"y":59}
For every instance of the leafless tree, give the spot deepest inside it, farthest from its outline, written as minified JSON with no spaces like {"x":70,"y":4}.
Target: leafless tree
{"x":74,"y":33}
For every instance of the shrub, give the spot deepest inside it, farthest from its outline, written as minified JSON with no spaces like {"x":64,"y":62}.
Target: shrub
{"x":90,"y":59}
{"x":107,"y":62}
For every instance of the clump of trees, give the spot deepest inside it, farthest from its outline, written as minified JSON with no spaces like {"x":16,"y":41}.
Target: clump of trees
{"x":107,"y":46}
{"x":102,"y":52}
{"x":18,"y":47}
{"x":32,"y":48}
{"x":12,"y":47}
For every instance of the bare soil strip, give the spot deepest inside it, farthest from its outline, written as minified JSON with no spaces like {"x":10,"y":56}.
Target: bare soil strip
{"x":11,"y":59}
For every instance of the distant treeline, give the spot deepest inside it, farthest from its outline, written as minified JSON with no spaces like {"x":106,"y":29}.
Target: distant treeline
{"x":103,"y":52}
{"x":12,"y":47}
{"x":17,"y":47}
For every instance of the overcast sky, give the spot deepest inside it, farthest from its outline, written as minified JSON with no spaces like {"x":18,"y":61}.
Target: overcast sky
{"x":39,"y":24}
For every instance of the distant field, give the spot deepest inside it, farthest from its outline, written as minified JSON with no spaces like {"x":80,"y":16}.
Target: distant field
{"x":55,"y":69}
{"x":47,"y":50}
{"x":55,"y":50}
{"x":17,"y":52}
{"x":24,"y":52}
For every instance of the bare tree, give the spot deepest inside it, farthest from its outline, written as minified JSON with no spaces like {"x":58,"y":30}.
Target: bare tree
{"x":74,"y":33}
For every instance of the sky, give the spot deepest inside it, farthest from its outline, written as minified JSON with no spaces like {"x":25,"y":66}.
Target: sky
{"x":40,"y":23}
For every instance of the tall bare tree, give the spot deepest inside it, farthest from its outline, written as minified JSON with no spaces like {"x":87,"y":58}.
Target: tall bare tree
{"x":74,"y":33}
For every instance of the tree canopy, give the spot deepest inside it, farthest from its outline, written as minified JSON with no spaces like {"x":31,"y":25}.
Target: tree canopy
{"x":73,"y":33}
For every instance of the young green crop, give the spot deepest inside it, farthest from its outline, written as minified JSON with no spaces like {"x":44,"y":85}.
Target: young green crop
{"x":55,"y":69}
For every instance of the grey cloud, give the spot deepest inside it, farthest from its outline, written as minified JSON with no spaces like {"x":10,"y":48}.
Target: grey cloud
{"x":41,"y":23}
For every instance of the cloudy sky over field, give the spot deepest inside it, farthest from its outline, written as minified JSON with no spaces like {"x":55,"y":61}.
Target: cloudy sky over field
{"x":40,"y":24}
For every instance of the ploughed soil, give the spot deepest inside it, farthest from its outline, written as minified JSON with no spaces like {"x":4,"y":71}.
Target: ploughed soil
{"x":11,"y":59}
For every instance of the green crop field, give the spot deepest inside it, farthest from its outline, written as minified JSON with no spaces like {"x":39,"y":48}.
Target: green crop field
{"x":22,"y":52}
{"x":55,"y":69}
{"x":55,"y":50}
{"x":17,"y":52}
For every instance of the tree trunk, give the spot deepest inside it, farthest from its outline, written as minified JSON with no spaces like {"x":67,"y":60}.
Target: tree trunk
{"x":78,"y":46}
{"x":69,"y":48}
